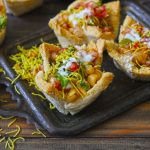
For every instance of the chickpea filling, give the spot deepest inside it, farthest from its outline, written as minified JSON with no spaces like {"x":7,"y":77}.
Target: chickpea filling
{"x":137,"y":43}
{"x":88,"y":13}
{"x":73,"y":72}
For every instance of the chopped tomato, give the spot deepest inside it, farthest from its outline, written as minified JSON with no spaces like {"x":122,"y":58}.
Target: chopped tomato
{"x":140,"y":29}
{"x":90,"y":5}
{"x":57,"y":85}
{"x":66,"y":25}
{"x":100,"y":12}
{"x":106,"y":29}
{"x":136,"y":45}
{"x":1,"y":7}
{"x":63,"y":49}
{"x":74,"y":67}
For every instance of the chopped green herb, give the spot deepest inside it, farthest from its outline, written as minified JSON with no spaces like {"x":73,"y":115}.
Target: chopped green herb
{"x":63,"y":80}
{"x":85,"y":85}
{"x":99,"y":3}
{"x":124,"y":42}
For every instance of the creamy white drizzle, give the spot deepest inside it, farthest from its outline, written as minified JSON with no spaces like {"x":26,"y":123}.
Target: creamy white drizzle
{"x":133,"y":36}
{"x":85,"y":57}
{"x":127,"y":60}
{"x":63,"y":70}
{"x":80,"y":15}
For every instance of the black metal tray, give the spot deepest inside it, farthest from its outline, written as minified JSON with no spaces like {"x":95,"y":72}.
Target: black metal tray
{"x":122,"y":95}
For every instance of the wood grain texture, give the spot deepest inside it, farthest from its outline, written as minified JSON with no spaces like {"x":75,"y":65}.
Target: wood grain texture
{"x":131,"y":130}
{"x":84,"y":144}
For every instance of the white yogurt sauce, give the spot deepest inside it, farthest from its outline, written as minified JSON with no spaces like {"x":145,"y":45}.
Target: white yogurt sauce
{"x":84,"y":56}
{"x":82,"y":14}
{"x":133,"y":36}
{"x":63,"y":70}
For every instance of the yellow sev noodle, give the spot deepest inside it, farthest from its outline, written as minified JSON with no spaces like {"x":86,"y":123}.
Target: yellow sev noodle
{"x":12,"y":122}
{"x":38,"y":132}
{"x":10,"y":142}
{"x":2,"y":70}
{"x":27,"y":63}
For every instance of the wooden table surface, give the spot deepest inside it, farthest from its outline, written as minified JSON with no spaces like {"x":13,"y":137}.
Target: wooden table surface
{"x":130,"y":130}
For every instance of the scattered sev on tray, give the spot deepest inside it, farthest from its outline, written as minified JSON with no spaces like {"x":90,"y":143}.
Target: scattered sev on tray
{"x":27,"y":63}
{"x":12,"y":134}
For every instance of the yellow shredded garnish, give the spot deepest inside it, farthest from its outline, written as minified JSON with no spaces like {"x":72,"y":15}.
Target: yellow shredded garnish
{"x":75,"y":76}
{"x":27,"y":63}
{"x":78,"y":91}
{"x":2,"y":139}
{"x":18,"y":138}
{"x":51,"y":106}
{"x":10,"y":143}
{"x":6,"y":118}
{"x":17,"y":131}
{"x":2,"y":71}
{"x":12,"y":122}
{"x":17,"y":90}
{"x":38,"y":132}
{"x":13,"y":81}
{"x":8,"y":79}
{"x":39,"y":95}
{"x":11,"y":132}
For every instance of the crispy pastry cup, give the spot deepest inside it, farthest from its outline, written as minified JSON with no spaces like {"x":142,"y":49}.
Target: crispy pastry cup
{"x":76,"y":106}
{"x":65,"y":37}
{"x":124,"y":61}
{"x":20,"y":7}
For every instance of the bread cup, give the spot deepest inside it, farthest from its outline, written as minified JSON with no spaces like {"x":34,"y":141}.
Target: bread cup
{"x":81,"y":90}
{"x":86,"y":20}
{"x":132,"y":54}
{"x":20,"y":7}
